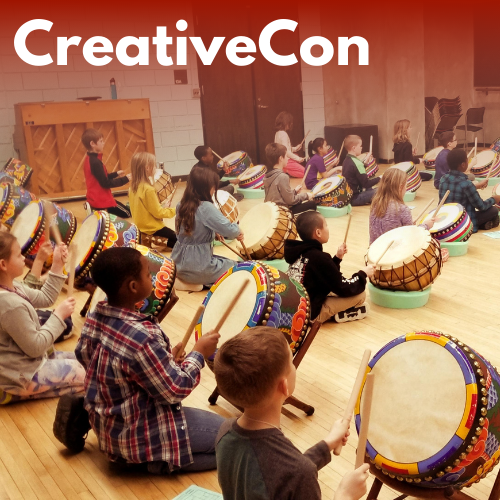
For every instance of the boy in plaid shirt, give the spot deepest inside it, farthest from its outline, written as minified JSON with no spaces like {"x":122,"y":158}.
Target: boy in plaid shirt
{"x":134,"y":386}
{"x":483,"y":213}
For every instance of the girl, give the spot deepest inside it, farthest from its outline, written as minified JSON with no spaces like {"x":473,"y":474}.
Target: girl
{"x":317,"y":149}
{"x":283,"y":124}
{"x":198,"y":222}
{"x":26,"y":370}
{"x":403,"y":150}
{"x":147,"y":213}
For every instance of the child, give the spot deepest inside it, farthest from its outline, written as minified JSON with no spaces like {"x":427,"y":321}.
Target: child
{"x":27,"y":371}
{"x":283,"y":124}
{"x":277,"y":184}
{"x":483,"y":213}
{"x":354,"y":172}
{"x":254,"y":370}
{"x":449,"y":142}
{"x":403,"y":150}
{"x":147,"y":213}
{"x":99,"y":182}
{"x":197,"y":222}
{"x":135,"y":384}
{"x":317,"y":149}
{"x":332,"y":296}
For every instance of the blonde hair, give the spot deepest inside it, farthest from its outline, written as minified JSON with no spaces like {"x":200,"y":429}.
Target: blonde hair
{"x":401,"y":131}
{"x":139,"y":164}
{"x":351,"y":140}
{"x":389,"y":190}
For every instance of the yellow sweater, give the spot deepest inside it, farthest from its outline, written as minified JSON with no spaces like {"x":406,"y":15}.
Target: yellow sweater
{"x":147,"y":213}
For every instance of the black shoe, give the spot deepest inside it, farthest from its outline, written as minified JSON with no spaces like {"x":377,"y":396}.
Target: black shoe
{"x":491,"y":223}
{"x":71,"y":424}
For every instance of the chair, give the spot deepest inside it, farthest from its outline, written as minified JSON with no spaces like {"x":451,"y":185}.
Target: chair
{"x":473,"y":118}
{"x":430,"y":102}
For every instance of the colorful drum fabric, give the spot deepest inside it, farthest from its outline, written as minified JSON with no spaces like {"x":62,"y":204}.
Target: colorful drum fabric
{"x":453,"y":223}
{"x":18,"y":170}
{"x":486,"y":160}
{"x":238,"y":162}
{"x":227,"y":204}
{"x":252,"y":178}
{"x":430,"y":158}
{"x":13,"y":200}
{"x":332,"y":192}
{"x":496,"y":192}
{"x":411,"y":264}
{"x":371,"y":168}
{"x":330,"y":158}
{"x":271,"y":299}
{"x":434,"y":415}
{"x":414,"y":180}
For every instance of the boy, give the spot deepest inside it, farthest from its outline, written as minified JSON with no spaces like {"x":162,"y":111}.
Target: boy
{"x":134,"y":384}
{"x":99,"y":182}
{"x":254,"y":370}
{"x":277,"y":183}
{"x":332,"y":296}
{"x":483,"y":213}
{"x":355,"y":173}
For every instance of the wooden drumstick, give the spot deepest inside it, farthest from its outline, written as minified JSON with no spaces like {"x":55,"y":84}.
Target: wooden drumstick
{"x":341,"y":148}
{"x":72,"y":267}
{"x":50,"y":210}
{"x":365,"y":420}
{"x":220,"y":157}
{"x":349,"y":409}
{"x":441,"y":204}
{"x":230,"y":248}
{"x":493,"y":163}
{"x":384,"y":252}
{"x":230,"y":307}
{"x":305,"y":137}
{"x":475,"y":147}
{"x":189,"y":331}
{"x":348,"y":226}
{"x":47,"y":220}
{"x":173,"y":192}
{"x":416,"y":144}
{"x":470,"y":152}
{"x":423,"y":211}
{"x":245,"y":250}
{"x":371,"y":144}
{"x":299,"y":186}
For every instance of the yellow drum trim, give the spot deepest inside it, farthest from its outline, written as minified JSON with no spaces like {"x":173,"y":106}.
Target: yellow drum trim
{"x":385,"y":463}
{"x":442,"y":341}
{"x":463,"y":430}
{"x":358,"y":401}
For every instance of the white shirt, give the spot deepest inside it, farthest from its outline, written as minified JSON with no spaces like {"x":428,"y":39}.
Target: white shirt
{"x":282,"y":137}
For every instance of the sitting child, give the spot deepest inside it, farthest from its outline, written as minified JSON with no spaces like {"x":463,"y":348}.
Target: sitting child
{"x":99,"y":182}
{"x":332,"y":296}
{"x":135,"y":381}
{"x":354,"y":171}
{"x":283,"y":125}
{"x":147,"y":213}
{"x":483,"y":213}
{"x":277,"y":184}
{"x":254,"y":370}
{"x":317,"y":149}
{"x":27,"y":370}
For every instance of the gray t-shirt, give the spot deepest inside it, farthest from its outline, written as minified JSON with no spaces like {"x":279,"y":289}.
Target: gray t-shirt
{"x":265,"y":465}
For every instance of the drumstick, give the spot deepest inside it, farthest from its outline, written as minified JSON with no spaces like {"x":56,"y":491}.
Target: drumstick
{"x":230,"y":248}
{"x":189,"y":331}
{"x":49,"y":207}
{"x":348,"y":226}
{"x":299,"y":186}
{"x":416,"y":145}
{"x":441,"y":204}
{"x":493,"y":163}
{"x":341,"y":148}
{"x":475,"y":147}
{"x":245,"y":250}
{"x":349,"y":409}
{"x":47,"y":220}
{"x":371,"y":144}
{"x":72,"y":266}
{"x":470,"y":152}
{"x":230,"y":307}
{"x":384,"y":252}
{"x":365,"y":420}
{"x":173,"y":192}
{"x":305,"y":137}
{"x":220,"y":157}
{"x":423,"y":211}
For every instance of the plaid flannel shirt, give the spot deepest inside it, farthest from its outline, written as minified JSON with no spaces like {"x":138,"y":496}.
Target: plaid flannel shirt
{"x":464,"y":192}
{"x":134,"y":388}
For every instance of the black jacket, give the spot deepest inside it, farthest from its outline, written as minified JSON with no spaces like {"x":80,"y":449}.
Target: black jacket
{"x":403,"y":151}
{"x":320,"y":273}
{"x":357,"y":182}
{"x":220,"y":172}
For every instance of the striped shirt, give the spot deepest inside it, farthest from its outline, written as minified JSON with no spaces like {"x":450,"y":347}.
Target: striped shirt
{"x":134,"y":388}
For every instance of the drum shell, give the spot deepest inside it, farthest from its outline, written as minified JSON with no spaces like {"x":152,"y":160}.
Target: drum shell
{"x":164,"y":187}
{"x":255,"y":182}
{"x":229,"y":208}
{"x":14,"y":201}
{"x":19,"y":171}
{"x":338,"y":198}
{"x":372,"y":166}
{"x":237,"y":167}
{"x":330,"y":157}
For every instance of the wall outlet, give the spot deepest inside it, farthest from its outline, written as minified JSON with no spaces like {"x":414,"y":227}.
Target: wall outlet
{"x":196,"y":92}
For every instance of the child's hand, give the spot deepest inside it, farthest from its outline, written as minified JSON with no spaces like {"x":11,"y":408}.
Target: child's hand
{"x":235,"y":181}
{"x":240,"y":236}
{"x":353,"y":484}
{"x":178,"y":356}
{"x":369,"y":270}
{"x":430,"y":223}
{"x":129,"y":177}
{"x":65,"y":309}
{"x":44,"y":252}
{"x":341,"y":251}
{"x":310,"y":196}
{"x":218,"y":237}
{"x":336,"y":162}
{"x":60,"y":257}
{"x":368,"y":159}
{"x":207,"y":344}
{"x":338,"y":434}
{"x":298,"y":188}
{"x":481,"y":184}
{"x":119,"y":172}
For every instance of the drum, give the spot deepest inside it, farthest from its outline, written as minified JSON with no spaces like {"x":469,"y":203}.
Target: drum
{"x":496,"y":192}
{"x":330,"y":158}
{"x":164,"y":187}
{"x":453,"y":223}
{"x":227,"y":204}
{"x":414,"y":180}
{"x":411,"y":264}
{"x":430,"y":158}
{"x":371,"y":168}
{"x":163,"y":273}
{"x":238,"y":161}
{"x":252,"y":178}
{"x":98,"y":232}
{"x":13,"y":200}
{"x":266,"y":227}
{"x":18,"y":170}
{"x":486,"y":160}
{"x":271,"y":299}
{"x":434,"y":414}
{"x":332,"y":192}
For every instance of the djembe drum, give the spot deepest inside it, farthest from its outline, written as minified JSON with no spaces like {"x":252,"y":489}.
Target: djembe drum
{"x":453,"y":223}
{"x":13,"y":200}
{"x":413,"y":181}
{"x":430,"y":158}
{"x":371,"y":167}
{"x":237,"y":162}
{"x":227,"y":204}
{"x":332,"y":192}
{"x":486,"y":161}
{"x":18,"y":171}
{"x":252,"y":178}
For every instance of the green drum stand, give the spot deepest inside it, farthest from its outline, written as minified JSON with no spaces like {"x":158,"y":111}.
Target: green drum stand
{"x":330,"y":212}
{"x":493,"y":181}
{"x":409,"y":196}
{"x":456,"y":248}
{"x":252,"y":194}
{"x":396,"y":299}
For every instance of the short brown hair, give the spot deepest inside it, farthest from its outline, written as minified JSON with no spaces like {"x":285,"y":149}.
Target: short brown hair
{"x":248,"y":366}
{"x":6,"y":242}
{"x":90,"y":135}
{"x":351,"y":140}
{"x":274,"y":152}
{"x":446,"y":137}
{"x":284,"y":121}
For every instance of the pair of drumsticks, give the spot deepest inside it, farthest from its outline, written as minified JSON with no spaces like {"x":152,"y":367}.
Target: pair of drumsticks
{"x":441,"y":203}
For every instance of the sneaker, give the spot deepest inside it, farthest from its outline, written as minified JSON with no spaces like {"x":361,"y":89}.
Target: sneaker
{"x":187,"y":287}
{"x":352,"y":314}
{"x":71,"y":424}
{"x":491,"y":223}
{"x":87,"y":208}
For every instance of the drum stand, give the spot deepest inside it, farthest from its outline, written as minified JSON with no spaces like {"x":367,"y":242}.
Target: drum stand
{"x":148,"y":239}
{"x":291,"y":400}
{"x":414,"y":491}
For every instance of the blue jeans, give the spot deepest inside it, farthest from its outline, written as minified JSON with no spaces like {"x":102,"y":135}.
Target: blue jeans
{"x":363,"y":198}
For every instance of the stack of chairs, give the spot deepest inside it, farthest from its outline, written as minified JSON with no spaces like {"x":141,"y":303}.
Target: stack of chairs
{"x":441,"y":115}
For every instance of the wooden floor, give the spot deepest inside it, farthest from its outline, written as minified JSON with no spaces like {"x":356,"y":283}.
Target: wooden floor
{"x":464,"y":302}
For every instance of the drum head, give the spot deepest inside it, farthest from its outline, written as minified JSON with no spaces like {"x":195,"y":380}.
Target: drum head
{"x":234,"y":157}
{"x":405,"y":166}
{"x":362,"y":156}
{"x":222,"y":197}
{"x":259,"y":224}
{"x":252,"y":172}
{"x":496,"y":190}
{"x":484,"y":158}
{"x":86,"y":235}
{"x":432,"y":154}
{"x":418,"y":402}
{"x":326,"y":186}
{"x":448,"y":215}
{"x":27,"y":223}
{"x":409,"y":243}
